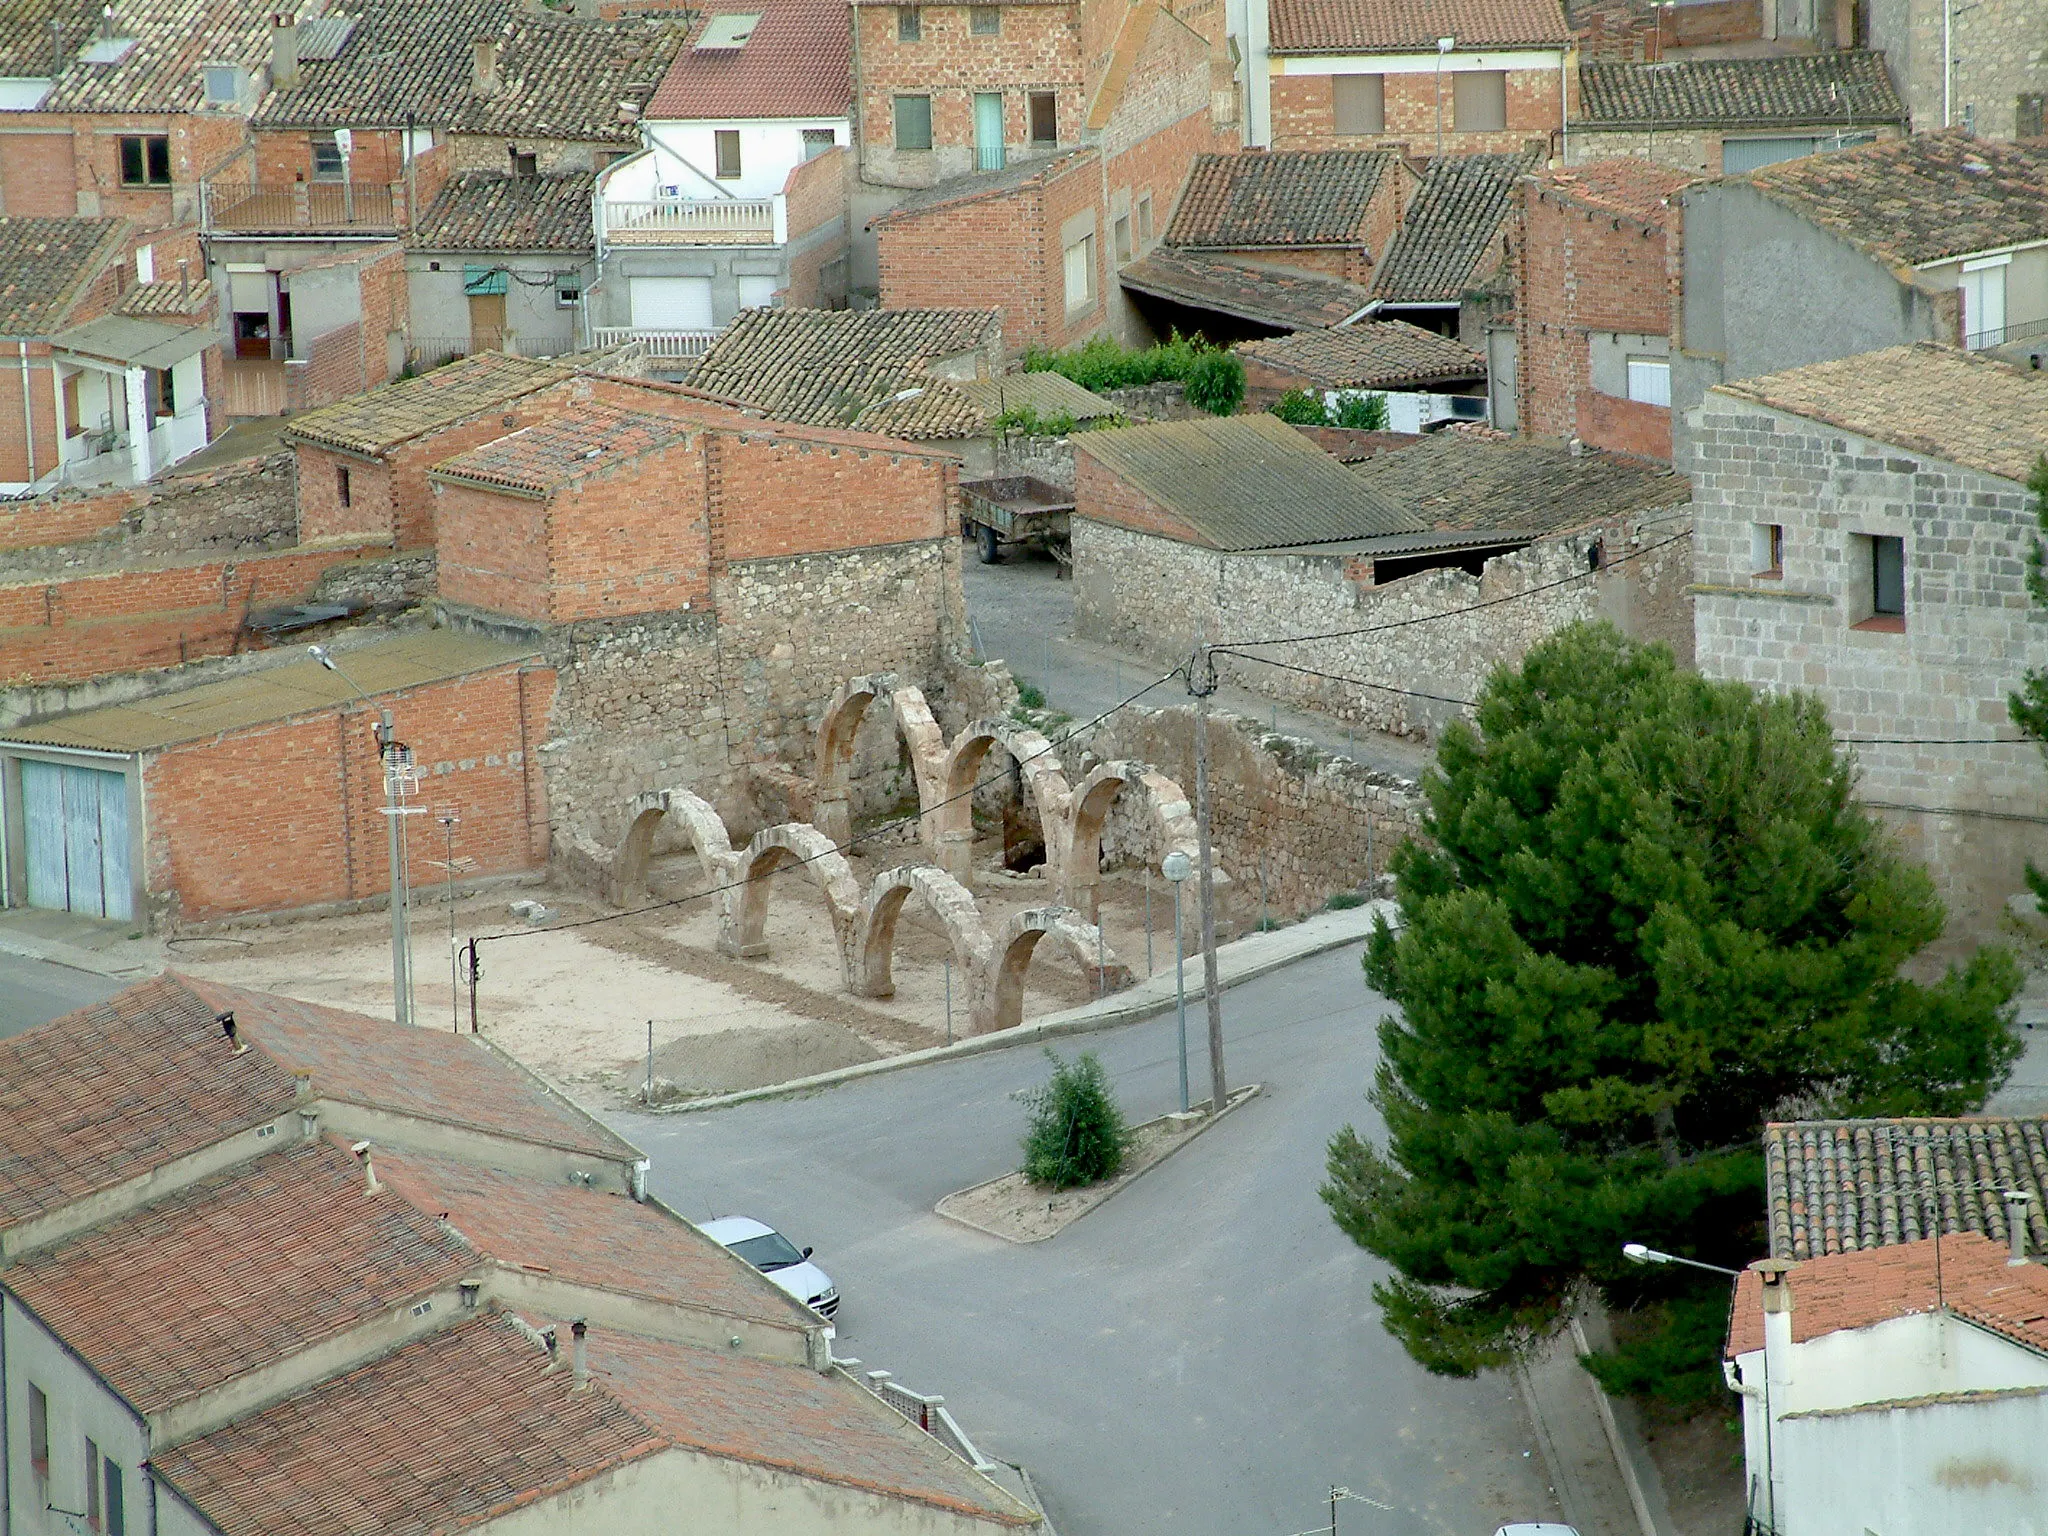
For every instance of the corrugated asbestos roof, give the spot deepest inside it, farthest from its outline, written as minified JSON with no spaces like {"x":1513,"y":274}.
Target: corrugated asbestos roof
{"x":1244,"y":482}
{"x":1046,"y":392}
{"x":1281,"y":297}
{"x":1461,"y":481}
{"x":1369,"y":354}
{"x":1452,"y":232}
{"x":276,"y":693}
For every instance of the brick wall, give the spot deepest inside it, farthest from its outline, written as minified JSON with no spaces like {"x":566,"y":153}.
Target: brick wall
{"x":1102,"y":495}
{"x":333,"y":370}
{"x":243,"y":505}
{"x":1304,"y":113}
{"x":289,"y":814}
{"x":492,"y":550}
{"x":782,"y":496}
{"x":1618,"y":29}
{"x":816,"y":199}
{"x":939,"y":256}
{"x":368,"y":517}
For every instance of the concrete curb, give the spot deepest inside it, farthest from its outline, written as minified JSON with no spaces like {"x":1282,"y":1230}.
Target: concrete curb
{"x":1238,"y":1096}
{"x":73,"y":958}
{"x":1245,"y":960}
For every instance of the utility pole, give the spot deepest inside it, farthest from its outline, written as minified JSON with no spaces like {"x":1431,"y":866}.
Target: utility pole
{"x":1202,"y":683}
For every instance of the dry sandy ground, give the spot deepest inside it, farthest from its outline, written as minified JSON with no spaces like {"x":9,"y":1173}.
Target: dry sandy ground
{"x":575,"y":1003}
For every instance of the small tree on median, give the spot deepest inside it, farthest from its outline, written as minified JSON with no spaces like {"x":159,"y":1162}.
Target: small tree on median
{"x":1648,"y":917}
{"x":1077,"y":1133}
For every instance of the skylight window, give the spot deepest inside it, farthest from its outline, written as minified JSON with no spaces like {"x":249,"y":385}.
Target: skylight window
{"x":729,"y":31}
{"x":106,"y":50}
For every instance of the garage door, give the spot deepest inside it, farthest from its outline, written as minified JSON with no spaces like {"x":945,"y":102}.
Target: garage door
{"x":671,"y":303}
{"x":77,"y":839}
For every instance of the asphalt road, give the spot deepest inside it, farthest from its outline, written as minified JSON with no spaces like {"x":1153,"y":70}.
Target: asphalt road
{"x":33,"y":992}
{"x":1201,"y":1355}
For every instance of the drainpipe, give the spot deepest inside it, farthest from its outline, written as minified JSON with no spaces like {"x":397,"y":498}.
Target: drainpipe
{"x":640,"y":1166}
{"x":7,"y":1460}
{"x":1777,"y":1371}
{"x":1564,"y":106}
{"x":28,"y":412}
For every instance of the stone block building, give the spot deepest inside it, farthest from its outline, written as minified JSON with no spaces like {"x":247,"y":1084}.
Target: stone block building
{"x":1997,"y":82}
{"x":1863,"y":531}
{"x":1597,"y":279}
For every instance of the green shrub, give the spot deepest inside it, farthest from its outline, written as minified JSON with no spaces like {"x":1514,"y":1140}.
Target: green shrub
{"x":1344,"y":901}
{"x":1024,"y":421}
{"x":1216,"y":383}
{"x":1077,"y":1133}
{"x":1030,"y":695}
{"x":1302,"y":408}
{"x":1363,"y":413}
{"x":1099,"y":363}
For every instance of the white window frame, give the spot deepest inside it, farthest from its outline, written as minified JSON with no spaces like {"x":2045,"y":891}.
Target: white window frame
{"x":1649,"y":380}
{"x":1077,"y":266}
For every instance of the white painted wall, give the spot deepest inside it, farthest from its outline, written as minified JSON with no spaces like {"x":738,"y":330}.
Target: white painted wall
{"x":81,"y":1405}
{"x":685,"y":155}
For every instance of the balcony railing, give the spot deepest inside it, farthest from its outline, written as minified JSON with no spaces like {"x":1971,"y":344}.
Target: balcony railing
{"x":432,"y":351}
{"x":665,"y":345}
{"x":268,"y":207}
{"x":692,"y":221}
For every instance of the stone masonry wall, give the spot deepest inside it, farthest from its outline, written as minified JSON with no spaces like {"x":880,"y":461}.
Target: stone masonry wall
{"x":1973,"y":813}
{"x":242,"y":506}
{"x":1154,"y":594}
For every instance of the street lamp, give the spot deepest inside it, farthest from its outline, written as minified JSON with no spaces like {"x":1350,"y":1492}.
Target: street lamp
{"x":399,"y":779}
{"x":1177,"y":866}
{"x":1637,"y":1253}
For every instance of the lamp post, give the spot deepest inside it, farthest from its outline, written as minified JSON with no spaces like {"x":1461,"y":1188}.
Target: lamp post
{"x":1177,"y":866}
{"x":398,"y":778}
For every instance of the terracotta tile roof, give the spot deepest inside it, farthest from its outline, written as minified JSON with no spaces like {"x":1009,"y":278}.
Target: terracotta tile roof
{"x":795,"y":1420}
{"x":105,"y":1094}
{"x":936,"y":408}
{"x":485,"y":211}
{"x":1370,"y":354}
{"x":1640,"y":190}
{"x":797,"y":62}
{"x":587,"y":1237}
{"x":1910,"y":396}
{"x":46,"y":264}
{"x":454,"y":1079}
{"x":1413,"y":26}
{"x":442,"y":1434}
{"x":1919,"y":199}
{"x":1244,"y":482}
{"x":552,"y":454}
{"x":1835,"y":1186}
{"x":235,"y":1273}
{"x":382,"y":418}
{"x":822,"y":368}
{"x":1451,"y":235}
{"x":1859,"y":1290}
{"x":1459,"y":481}
{"x":1290,"y":198}
{"x":1276,"y":296}
{"x":561,"y":77}
{"x":179,"y":300}
{"x":1846,"y":89}
{"x":173,"y":41}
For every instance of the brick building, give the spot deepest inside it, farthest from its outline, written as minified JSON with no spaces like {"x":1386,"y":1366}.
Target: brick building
{"x":1056,"y":133}
{"x":1466,"y":77}
{"x":481,"y":1320}
{"x":1864,"y":530}
{"x":500,"y":263}
{"x":1597,"y":276}
{"x":1726,"y":115}
{"x":1448,"y":267}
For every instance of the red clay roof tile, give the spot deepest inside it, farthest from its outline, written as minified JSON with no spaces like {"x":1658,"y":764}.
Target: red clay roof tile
{"x":798,"y":62}
{"x":1408,"y":26}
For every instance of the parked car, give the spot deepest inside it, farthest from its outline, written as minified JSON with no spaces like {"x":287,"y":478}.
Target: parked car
{"x":778,"y":1258}
{"x":1538,"y":1528}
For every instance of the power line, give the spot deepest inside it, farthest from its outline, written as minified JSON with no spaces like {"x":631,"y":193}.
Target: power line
{"x":872,"y":832}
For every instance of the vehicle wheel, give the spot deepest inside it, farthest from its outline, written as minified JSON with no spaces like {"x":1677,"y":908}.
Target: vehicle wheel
{"x":989,"y":546}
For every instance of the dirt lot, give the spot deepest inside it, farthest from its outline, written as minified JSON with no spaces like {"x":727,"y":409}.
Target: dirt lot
{"x":574,"y":1003}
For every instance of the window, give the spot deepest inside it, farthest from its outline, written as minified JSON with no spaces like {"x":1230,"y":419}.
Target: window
{"x":1649,"y":380}
{"x":145,"y":160}
{"x":1983,"y":288}
{"x":988,"y":131}
{"x":1887,"y":578}
{"x":326,"y":158}
{"x":1479,"y":100}
{"x":1767,"y":549}
{"x":1080,"y":271}
{"x":1361,"y":103}
{"x":909,"y":24}
{"x":726,"y":143}
{"x":39,"y":1431}
{"x":817,"y":141}
{"x":222,"y":84}
{"x":94,"y":1510}
{"x":1045,"y":117}
{"x":913,"y":122}
{"x":343,"y":492}
{"x":985,"y":20}
{"x":160,"y":391}
{"x":1121,"y":233}
{"x":526,"y":167}
{"x":568,"y":289}
{"x":117,"y":1501}
{"x":1145,"y":220}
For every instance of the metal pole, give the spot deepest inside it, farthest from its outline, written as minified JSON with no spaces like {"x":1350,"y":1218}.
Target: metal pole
{"x":1148,"y":920}
{"x":948,"y":963}
{"x":649,"y":1095}
{"x":1099,"y":987}
{"x":1180,"y":995}
{"x":1205,"y":865}
{"x":448,"y":820}
{"x":475,"y":971}
{"x":401,"y":959}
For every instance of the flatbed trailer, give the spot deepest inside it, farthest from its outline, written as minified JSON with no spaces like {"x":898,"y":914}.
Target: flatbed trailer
{"x":1016,"y":510}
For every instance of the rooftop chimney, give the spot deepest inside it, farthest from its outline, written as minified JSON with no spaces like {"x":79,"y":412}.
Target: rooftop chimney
{"x":284,"y":51}
{"x":579,"y":1354}
{"x":2016,"y":1203}
{"x":362,"y":1151}
{"x":226,"y":1021}
{"x":483,"y":71}
{"x":302,"y":1086}
{"x":1777,"y":1356}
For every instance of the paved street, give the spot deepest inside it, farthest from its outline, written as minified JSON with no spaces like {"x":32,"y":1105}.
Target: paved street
{"x":1201,"y":1355}
{"x":33,"y":992}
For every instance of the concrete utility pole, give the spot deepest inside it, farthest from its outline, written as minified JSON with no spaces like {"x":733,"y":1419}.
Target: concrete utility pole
{"x":1202,"y":683}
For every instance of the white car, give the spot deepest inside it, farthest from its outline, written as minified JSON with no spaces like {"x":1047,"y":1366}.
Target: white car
{"x":1538,"y":1529}
{"x":776,"y":1257}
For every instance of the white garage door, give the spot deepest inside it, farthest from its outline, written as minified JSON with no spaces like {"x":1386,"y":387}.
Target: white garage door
{"x":77,"y":836}
{"x":671,"y":303}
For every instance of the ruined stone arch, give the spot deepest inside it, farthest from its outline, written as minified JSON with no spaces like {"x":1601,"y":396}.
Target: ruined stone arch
{"x":704,"y":826}
{"x":1043,"y":780}
{"x":832,"y":811}
{"x":744,"y":918}
{"x":999,"y":996}
{"x":1078,"y":873}
{"x":950,"y":901}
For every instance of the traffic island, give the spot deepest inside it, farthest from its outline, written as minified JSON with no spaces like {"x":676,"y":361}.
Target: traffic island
{"x":1018,"y":1211}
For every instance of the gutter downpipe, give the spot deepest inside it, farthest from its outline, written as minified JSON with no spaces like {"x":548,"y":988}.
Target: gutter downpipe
{"x":28,"y":411}
{"x":1564,"y":108}
{"x":6,"y":1446}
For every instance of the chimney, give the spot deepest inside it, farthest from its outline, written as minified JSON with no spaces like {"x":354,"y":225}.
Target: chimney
{"x":483,"y":70}
{"x":1777,"y":1356}
{"x":370,"y":1184}
{"x":226,"y":1021}
{"x":579,"y":1354}
{"x":284,"y":51}
{"x":2016,"y":1203}
{"x":302,"y":1086}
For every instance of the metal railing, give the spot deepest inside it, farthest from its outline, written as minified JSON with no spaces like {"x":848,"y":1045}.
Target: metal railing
{"x":691,"y":221}
{"x":432,"y":351}
{"x":670,"y":345}
{"x":927,"y":1413}
{"x":1998,"y":336}
{"x":259,"y":207}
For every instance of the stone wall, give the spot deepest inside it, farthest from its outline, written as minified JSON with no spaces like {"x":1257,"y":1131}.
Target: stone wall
{"x":244,"y":506}
{"x":1156,"y":595}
